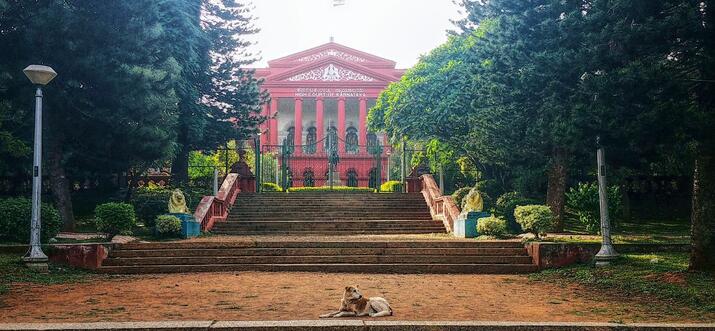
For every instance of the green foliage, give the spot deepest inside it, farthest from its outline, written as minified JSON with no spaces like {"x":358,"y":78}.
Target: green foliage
{"x":16,"y":216}
{"x":663,"y":276}
{"x":271,"y":187}
{"x":537,"y":219}
{"x":115,"y":218}
{"x":492,"y":226}
{"x":582,"y":204}
{"x":391,"y":186}
{"x":344,"y":189}
{"x":505,"y":205}
{"x":168,"y":225}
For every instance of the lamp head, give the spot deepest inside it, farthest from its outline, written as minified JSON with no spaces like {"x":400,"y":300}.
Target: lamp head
{"x":39,"y":74}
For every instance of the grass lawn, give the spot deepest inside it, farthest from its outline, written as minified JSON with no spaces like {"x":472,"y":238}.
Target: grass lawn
{"x":631,"y":232}
{"x":661,"y":276}
{"x":13,"y":270}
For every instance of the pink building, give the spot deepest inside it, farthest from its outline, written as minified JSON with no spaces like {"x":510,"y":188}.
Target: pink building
{"x":329,"y":87}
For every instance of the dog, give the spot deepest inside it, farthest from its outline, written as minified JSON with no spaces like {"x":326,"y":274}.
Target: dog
{"x":354,"y":304}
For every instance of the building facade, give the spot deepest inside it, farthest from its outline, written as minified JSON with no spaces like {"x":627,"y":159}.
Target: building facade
{"x":319,"y":99}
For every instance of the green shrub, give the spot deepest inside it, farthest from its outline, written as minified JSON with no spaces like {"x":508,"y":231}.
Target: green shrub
{"x":15,"y":216}
{"x":391,"y":186}
{"x":537,"y":219}
{"x":459,"y":195}
{"x":492,"y":226}
{"x":347,"y":189}
{"x":582,"y":205}
{"x":271,"y":187}
{"x":168,"y":225}
{"x":505,"y":205}
{"x":115,"y":218}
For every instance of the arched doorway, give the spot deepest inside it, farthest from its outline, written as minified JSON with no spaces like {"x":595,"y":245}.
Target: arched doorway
{"x":308,"y":178}
{"x":310,"y":143}
{"x":352,"y":177}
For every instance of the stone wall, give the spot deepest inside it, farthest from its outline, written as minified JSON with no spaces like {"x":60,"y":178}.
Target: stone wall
{"x":554,"y":255}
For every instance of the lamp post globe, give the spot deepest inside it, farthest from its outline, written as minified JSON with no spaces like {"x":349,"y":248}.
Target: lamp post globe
{"x":35,"y":258}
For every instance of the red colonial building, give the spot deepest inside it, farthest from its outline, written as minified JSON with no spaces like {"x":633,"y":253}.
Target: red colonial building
{"x":319,"y":99}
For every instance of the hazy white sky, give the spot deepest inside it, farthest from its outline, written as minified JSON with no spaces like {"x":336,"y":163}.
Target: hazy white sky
{"x":399,"y":30}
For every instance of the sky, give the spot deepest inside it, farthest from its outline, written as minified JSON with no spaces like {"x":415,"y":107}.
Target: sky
{"x":399,"y":30}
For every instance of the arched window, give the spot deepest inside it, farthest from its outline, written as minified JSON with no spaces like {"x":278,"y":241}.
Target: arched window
{"x":290,"y":140}
{"x":371,"y":141}
{"x":310,"y":144}
{"x":331,"y":139}
{"x":372,"y":182}
{"x":352,"y":178}
{"x":351,"y":141}
{"x":308,"y":178}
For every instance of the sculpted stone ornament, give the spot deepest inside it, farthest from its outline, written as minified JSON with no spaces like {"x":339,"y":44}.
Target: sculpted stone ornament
{"x":177,"y":203}
{"x":473,"y":202}
{"x":465,"y":226}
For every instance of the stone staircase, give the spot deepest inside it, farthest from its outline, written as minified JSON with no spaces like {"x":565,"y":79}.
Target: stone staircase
{"x":369,"y":256}
{"x":330,"y":213}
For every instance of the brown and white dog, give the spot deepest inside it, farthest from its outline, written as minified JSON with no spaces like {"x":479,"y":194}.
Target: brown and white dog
{"x":354,"y":304}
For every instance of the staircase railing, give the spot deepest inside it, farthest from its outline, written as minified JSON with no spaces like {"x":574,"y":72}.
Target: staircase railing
{"x":441,"y":206}
{"x":214,"y":209}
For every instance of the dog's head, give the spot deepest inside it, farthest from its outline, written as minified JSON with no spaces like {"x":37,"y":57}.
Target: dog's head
{"x":352,"y":293}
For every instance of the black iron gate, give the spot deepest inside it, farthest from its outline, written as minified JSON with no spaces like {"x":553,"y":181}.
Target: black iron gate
{"x":330,"y":162}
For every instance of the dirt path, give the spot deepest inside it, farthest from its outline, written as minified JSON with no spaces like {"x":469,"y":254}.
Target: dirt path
{"x":281,"y":296}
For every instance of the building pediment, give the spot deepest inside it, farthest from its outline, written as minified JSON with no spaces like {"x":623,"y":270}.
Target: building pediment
{"x":331,"y":70}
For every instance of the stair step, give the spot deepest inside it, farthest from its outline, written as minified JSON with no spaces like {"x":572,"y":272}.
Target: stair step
{"x":342,"y":268}
{"x":320,"y":259}
{"x":283,"y":251}
{"x":467,"y":244}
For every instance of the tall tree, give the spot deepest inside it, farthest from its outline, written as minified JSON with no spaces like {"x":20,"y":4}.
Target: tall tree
{"x":112,"y":104}
{"x":227,"y":105}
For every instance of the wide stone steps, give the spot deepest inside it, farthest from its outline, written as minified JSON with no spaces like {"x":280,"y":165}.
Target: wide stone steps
{"x":434,"y":256}
{"x":332,"y":213}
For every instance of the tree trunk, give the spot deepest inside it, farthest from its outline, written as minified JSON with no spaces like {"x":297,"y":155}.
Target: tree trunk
{"x":60,"y":186}
{"x":180,"y":167}
{"x":556,"y":190}
{"x":702,"y":230}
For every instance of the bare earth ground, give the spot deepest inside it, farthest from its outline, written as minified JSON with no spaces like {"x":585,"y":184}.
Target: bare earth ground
{"x":287,"y":296}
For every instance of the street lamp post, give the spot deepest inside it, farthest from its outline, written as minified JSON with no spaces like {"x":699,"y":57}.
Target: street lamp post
{"x":607,"y":253}
{"x":35,"y":258}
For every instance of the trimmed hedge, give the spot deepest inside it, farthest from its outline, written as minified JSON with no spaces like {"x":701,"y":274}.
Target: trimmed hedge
{"x":536,"y":219}
{"x":505,"y":205}
{"x":582,"y":204}
{"x":334,"y":189}
{"x":492,"y":226}
{"x":391,"y":186}
{"x":168,"y":225}
{"x":115,"y":218}
{"x":271,"y":187}
{"x":15,"y":217}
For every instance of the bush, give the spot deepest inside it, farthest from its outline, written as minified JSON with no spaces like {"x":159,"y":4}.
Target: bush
{"x":15,"y":217}
{"x":168,"y":225}
{"x":391,"y":186}
{"x":271,"y":187}
{"x":505,"y":205}
{"x":346,"y":189}
{"x":536,"y":219}
{"x":582,"y":205}
{"x":492,"y":226}
{"x":115,"y":218}
{"x":459,"y":195}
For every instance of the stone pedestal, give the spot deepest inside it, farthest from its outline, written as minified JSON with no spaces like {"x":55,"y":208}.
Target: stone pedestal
{"x":466,"y":227}
{"x":336,"y":179}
